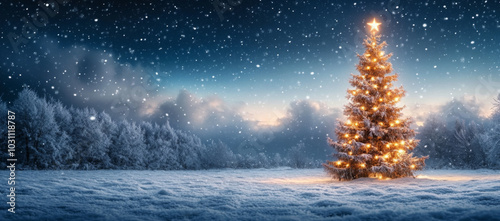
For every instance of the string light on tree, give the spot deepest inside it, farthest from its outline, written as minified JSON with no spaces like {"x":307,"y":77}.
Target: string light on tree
{"x":383,"y":139}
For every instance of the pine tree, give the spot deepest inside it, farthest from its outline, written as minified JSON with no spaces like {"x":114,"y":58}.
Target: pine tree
{"x":127,"y":151}
{"x":375,"y":141}
{"x":66,"y":153}
{"x":37,"y":131}
{"x":89,"y":141}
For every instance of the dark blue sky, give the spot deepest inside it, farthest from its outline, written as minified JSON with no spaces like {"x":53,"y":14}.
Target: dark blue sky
{"x":129,"y":58}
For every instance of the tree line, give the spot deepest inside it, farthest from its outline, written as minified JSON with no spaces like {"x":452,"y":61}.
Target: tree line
{"x":457,"y":137}
{"x":50,"y":135}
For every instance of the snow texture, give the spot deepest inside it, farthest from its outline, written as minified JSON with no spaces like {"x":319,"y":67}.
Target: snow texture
{"x":255,"y":194}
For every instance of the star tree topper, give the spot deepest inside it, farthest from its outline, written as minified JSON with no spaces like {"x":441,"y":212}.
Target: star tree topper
{"x":374,"y":25}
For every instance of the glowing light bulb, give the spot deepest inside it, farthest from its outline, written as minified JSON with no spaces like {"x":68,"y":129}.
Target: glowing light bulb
{"x":367,"y":92}
{"x":380,"y":99}
{"x":354,"y":93}
{"x":387,"y":145}
{"x":385,"y":87}
{"x":339,"y":162}
{"x":382,"y":66}
{"x":401,"y":151}
{"x":397,"y":121}
{"x":350,"y":152}
{"x":374,"y":59}
{"x":362,"y":107}
{"x":386,"y":156}
{"x":356,"y":124}
{"x":382,"y":53}
{"x":373,"y":79}
{"x":376,"y":157}
{"x":363,"y":165}
{"x":356,"y":137}
{"x":396,"y":99}
{"x":368,"y":68}
{"x":346,"y":135}
{"x":375,"y":108}
{"x":402,"y":143}
{"x":367,"y":55}
{"x":388,"y":93}
{"x":375,"y":86}
{"x":392,"y":125}
{"x":348,"y":122}
{"x":395,"y":160}
{"x":413,"y":166}
{"x":381,"y":124}
{"x":368,"y":145}
{"x":347,"y":165}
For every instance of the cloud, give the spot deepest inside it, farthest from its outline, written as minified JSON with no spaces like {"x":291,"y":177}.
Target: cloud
{"x":205,"y":115}
{"x":212,"y":118}
{"x":310,"y":122}
{"x":84,"y":77}
{"x":464,"y":106}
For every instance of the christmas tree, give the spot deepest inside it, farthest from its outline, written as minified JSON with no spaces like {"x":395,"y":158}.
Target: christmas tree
{"x":374,"y":141}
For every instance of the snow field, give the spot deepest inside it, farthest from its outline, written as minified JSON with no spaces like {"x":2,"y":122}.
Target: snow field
{"x":253,"y":194}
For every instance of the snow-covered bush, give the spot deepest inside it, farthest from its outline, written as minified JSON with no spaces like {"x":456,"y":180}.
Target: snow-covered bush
{"x":452,"y":138}
{"x":277,"y":161}
{"x":218,"y":155}
{"x":297,"y":156}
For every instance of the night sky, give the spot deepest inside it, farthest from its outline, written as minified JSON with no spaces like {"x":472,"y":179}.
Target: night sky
{"x":262,"y":64}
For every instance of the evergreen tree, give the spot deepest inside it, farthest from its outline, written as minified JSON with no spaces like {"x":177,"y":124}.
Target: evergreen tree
{"x":159,"y":153}
{"x":435,"y":142}
{"x":36,"y":131}
{"x":110,"y":130}
{"x":218,"y":155}
{"x":467,"y":150}
{"x":375,"y":141}
{"x":127,"y":151}
{"x":90,"y":143}
{"x":66,"y":153}
{"x":189,"y":149}
{"x":490,"y":140}
{"x":297,"y":156}
{"x":277,"y":161}
{"x":167,"y":138}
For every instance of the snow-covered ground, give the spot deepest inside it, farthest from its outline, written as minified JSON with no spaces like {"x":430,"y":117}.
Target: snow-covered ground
{"x":257,"y":194}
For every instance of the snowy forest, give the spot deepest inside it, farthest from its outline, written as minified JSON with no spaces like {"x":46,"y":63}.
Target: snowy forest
{"x":51,"y":135}
{"x":456,"y":136}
